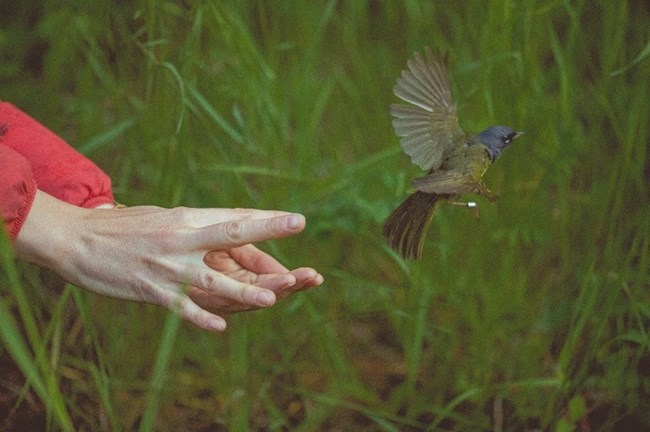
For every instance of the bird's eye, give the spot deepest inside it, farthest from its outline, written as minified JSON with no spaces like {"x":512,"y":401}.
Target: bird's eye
{"x":508,"y":138}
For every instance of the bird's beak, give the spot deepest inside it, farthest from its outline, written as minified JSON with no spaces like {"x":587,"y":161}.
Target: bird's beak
{"x":518,"y":134}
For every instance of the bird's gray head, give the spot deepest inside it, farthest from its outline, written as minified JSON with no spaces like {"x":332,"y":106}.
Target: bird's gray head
{"x":496,"y":138}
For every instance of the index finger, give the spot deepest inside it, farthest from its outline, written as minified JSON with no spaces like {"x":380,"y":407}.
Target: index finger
{"x":202,"y":217}
{"x":249,"y":257}
{"x":239,"y":232}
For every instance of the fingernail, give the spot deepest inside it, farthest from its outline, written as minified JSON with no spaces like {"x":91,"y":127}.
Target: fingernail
{"x":294,"y":221}
{"x":265,"y":298}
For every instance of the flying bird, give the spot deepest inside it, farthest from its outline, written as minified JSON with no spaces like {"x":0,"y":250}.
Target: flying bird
{"x":429,"y":133}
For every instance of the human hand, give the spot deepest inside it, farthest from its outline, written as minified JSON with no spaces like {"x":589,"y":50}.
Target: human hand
{"x":199,"y":262}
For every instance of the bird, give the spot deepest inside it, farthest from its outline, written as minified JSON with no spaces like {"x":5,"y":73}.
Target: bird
{"x":430,"y":134}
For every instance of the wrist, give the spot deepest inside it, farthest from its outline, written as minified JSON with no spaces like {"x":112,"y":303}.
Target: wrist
{"x":48,"y":232}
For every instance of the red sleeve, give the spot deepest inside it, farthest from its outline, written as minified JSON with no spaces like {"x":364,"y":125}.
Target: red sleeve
{"x":58,"y":169}
{"x":17,"y":189}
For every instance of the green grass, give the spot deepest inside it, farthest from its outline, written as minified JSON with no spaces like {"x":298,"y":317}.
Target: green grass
{"x":540,"y":306}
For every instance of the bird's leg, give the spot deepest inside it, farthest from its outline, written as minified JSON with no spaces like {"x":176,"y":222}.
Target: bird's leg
{"x":481,"y":189}
{"x":472,"y":205}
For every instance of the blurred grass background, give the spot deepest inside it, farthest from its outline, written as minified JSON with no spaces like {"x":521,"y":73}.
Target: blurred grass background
{"x":534,"y":316}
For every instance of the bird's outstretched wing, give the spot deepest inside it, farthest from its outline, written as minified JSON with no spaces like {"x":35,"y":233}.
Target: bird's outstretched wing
{"x":429,"y":129}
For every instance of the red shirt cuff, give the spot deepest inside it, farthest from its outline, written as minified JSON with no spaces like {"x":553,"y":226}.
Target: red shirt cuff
{"x":57,"y":168}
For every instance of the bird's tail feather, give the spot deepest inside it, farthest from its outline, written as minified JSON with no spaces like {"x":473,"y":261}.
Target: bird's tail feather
{"x":406,"y":227}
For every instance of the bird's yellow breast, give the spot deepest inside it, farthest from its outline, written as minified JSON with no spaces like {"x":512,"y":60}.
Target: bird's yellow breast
{"x":471,"y":159}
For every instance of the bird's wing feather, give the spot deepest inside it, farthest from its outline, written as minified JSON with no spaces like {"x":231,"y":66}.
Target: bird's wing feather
{"x":429,"y":129}
{"x":413,"y":125}
{"x":446,"y":182}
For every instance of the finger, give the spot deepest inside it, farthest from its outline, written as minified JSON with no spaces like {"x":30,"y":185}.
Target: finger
{"x":303,"y":279}
{"x":307,"y":277}
{"x":215,"y":304}
{"x":190,"y":311}
{"x":234,"y":233}
{"x":257,"y":261}
{"x":221,"y":285}
{"x":284,"y":285}
{"x":276,"y":282}
{"x":205,"y":217}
